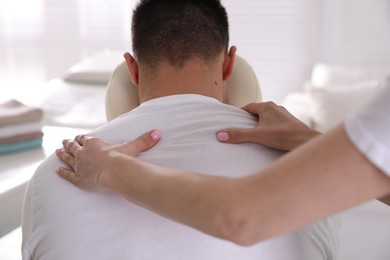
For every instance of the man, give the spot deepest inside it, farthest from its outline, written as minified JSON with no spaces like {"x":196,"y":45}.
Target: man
{"x":181,"y":64}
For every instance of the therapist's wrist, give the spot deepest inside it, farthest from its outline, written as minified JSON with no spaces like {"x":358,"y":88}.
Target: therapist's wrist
{"x":304,"y":137}
{"x":123,"y":175}
{"x":110,"y":177}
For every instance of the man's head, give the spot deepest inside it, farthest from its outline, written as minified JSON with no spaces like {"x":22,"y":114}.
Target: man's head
{"x":175,"y":31}
{"x":180,"y":47}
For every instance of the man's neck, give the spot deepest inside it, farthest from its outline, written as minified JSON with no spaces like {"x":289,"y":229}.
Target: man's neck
{"x":194,"y":78}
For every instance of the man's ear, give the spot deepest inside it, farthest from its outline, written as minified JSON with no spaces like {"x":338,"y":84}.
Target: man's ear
{"x":228,"y":63}
{"x":132,"y":66}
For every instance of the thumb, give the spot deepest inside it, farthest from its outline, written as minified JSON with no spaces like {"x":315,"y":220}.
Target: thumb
{"x":145,"y":141}
{"x":237,"y":135}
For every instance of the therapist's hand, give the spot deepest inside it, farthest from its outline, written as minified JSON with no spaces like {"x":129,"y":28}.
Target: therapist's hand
{"x":277,"y":128}
{"x":88,"y":158}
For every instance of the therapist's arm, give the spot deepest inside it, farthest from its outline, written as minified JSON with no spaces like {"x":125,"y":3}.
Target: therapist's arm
{"x":321,"y":177}
{"x":277,"y":129}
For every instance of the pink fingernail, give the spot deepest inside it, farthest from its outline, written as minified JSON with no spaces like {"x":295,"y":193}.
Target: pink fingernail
{"x":223,"y":136}
{"x":156,"y":135}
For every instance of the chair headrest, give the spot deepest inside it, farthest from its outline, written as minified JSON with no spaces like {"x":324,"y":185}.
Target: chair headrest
{"x":122,"y":94}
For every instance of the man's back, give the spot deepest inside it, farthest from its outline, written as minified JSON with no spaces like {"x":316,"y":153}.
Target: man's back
{"x":61,"y":221}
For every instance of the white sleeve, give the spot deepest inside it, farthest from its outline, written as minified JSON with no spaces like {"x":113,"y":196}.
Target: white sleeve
{"x":369,"y":130}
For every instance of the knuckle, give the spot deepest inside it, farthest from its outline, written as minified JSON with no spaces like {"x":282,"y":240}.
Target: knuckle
{"x":66,"y":174}
{"x":143,"y":143}
{"x":90,"y":141}
{"x":252,"y":105}
{"x":76,"y":180}
{"x":271,"y":105}
{"x":80,"y":154}
{"x":66,"y":157}
{"x":77,"y":153}
{"x":147,"y":141}
{"x":87,"y":141}
{"x":235,"y":135}
{"x":71,"y":144}
{"x":61,"y":153}
{"x":79,"y":137}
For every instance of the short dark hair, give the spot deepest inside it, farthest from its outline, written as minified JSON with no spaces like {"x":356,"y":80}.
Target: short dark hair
{"x":176,"y":31}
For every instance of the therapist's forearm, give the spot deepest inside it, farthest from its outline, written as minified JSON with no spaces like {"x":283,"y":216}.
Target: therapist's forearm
{"x":190,"y":198}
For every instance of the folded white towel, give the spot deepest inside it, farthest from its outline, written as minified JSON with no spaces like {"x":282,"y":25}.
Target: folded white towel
{"x":19,"y":129}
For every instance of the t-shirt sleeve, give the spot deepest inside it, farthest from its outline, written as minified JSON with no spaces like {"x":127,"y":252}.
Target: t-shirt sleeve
{"x":369,"y":130}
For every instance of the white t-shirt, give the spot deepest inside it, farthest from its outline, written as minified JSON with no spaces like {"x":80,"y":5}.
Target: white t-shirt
{"x":369,"y":130}
{"x":61,"y":221}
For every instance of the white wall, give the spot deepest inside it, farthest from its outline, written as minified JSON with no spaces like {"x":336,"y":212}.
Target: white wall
{"x":278,"y":38}
{"x":354,"y":31}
